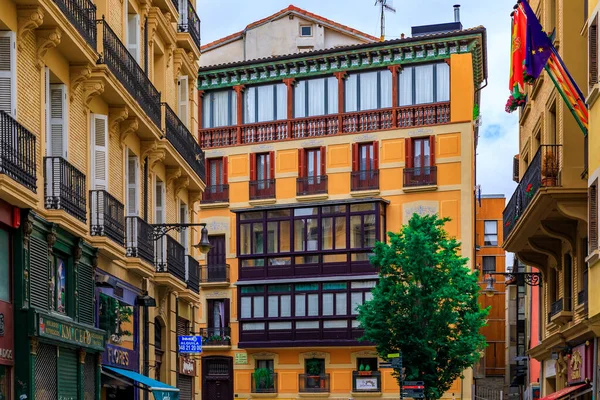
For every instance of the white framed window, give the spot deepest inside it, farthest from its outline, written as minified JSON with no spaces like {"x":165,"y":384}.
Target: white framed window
{"x":183,"y":100}
{"x":219,"y":108}
{"x":8,"y":73}
{"x":265,"y":103}
{"x":57,"y":119}
{"x":183,"y":235}
{"x":183,"y":12}
{"x":422,"y":84}
{"x":490,"y":233}
{"x":316,"y":97}
{"x":160,"y":246}
{"x":99,"y":129}
{"x":132,"y":173}
{"x":133,"y":35}
{"x":368,"y":90}
{"x":306,"y":30}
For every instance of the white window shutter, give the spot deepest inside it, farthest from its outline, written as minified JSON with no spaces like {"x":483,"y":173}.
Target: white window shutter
{"x":8,"y":72}
{"x":183,"y":9}
{"x":133,"y":35}
{"x":132,"y":185}
{"x":100,"y":151}
{"x":159,"y":206}
{"x":182,"y":99}
{"x":57,"y":146}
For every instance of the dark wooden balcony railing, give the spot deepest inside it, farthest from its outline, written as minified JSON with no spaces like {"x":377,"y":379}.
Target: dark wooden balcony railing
{"x":262,"y":189}
{"x":216,"y":336}
{"x":64,"y":187}
{"x":139,"y":239}
{"x":364,"y":180}
{"x":424,"y":176}
{"x":183,"y":141}
{"x":308,"y":185}
{"x":127,"y":70}
{"x":190,"y":23}
{"x":313,"y":383}
{"x":175,"y":258}
{"x":215,"y":273}
{"x":82,"y":14}
{"x":17,"y":152}
{"x":107,"y":216}
{"x":216,"y":194}
{"x":327,"y":125}
{"x":193,"y":281}
{"x":543,"y":171}
{"x":366,"y":381}
{"x":264,"y":383}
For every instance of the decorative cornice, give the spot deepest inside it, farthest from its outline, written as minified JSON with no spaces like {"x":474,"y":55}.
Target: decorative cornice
{"x":194,"y":196}
{"x":46,"y":40}
{"x":79,"y":74}
{"x":156,"y":156}
{"x":128,"y":127}
{"x":146,"y":147}
{"x":172,"y":174}
{"x":116,"y":115}
{"x":180,"y":184}
{"x":92,"y":89}
{"x":28,"y":19}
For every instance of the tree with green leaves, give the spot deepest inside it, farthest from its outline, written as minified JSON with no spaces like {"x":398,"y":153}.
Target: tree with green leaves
{"x":425,"y":305}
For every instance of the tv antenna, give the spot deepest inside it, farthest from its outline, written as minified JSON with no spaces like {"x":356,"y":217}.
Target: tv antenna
{"x":385,"y":5}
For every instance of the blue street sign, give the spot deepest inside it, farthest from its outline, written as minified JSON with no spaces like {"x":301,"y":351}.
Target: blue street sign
{"x":189,"y":344}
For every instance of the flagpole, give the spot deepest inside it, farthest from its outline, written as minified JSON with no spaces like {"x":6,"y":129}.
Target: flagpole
{"x":564,"y":97}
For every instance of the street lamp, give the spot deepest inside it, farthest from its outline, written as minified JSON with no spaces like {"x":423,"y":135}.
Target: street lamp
{"x":204,"y":245}
{"x":160,"y":230}
{"x":529,"y":278}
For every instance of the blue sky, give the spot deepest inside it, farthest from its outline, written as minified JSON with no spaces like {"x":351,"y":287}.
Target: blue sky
{"x":498,"y":141}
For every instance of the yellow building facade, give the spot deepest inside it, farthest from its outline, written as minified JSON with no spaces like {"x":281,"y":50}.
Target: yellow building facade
{"x":311,"y":158}
{"x":101,"y":96}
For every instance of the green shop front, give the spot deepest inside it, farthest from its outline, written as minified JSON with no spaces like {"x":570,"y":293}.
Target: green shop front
{"x":59,"y":348}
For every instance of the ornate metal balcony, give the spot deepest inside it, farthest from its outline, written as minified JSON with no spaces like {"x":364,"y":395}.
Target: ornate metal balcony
{"x":266,"y":383}
{"x":215,"y":273}
{"x":82,"y":14}
{"x":64,"y":187}
{"x":424,"y":176}
{"x":262,"y":189}
{"x":313,"y":383}
{"x":190,"y":23}
{"x":139,"y":239}
{"x":183,"y":141}
{"x":216,"y":336}
{"x":555,"y":308}
{"x":127,"y":70}
{"x":364,"y":180}
{"x":216,"y":194}
{"x":175,"y":258}
{"x":543,"y":171}
{"x":193,"y":281}
{"x":107,"y":216}
{"x":17,"y":152}
{"x":308,"y":185}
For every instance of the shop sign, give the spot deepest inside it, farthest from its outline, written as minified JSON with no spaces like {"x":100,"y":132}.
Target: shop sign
{"x":579,"y":366}
{"x":6,"y":334}
{"x":187,"y":366}
{"x":241,"y":358}
{"x":366,"y":383}
{"x":120,"y":357}
{"x":69,"y":332}
{"x":549,"y":368}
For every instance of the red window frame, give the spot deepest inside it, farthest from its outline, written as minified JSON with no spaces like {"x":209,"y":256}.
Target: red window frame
{"x":409,"y":150}
{"x":221,"y":165}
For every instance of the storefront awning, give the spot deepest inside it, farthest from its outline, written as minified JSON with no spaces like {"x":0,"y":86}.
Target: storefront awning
{"x":564,"y":392}
{"x":161,"y":390}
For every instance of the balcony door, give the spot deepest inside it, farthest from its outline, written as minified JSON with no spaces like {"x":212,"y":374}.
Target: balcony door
{"x":421,"y":156}
{"x":217,"y":259}
{"x":263,"y":170}
{"x":313,"y":166}
{"x":218,"y":317}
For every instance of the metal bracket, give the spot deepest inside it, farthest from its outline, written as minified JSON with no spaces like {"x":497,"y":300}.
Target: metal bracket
{"x":160,"y":230}
{"x":529,"y":278}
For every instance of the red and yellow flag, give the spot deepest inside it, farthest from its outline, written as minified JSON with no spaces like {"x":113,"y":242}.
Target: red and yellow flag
{"x":516,"y":83}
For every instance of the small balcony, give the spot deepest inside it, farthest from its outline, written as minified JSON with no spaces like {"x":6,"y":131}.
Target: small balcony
{"x":193,"y":281}
{"x":64,"y":187}
{"x":190,"y":23}
{"x":183,"y":141}
{"x":216,"y":336}
{"x":127,"y":70}
{"x":82,"y":14}
{"x":107,"y":216}
{"x":313,"y":383}
{"x":424,"y":176}
{"x":364,"y":180}
{"x":262,"y":189}
{"x":138,"y":241}
{"x":366,"y":381}
{"x":17,"y":152}
{"x":171,"y":259}
{"x":264,"y":381}
{"x":216,"y":194}
{"x":310,"y":185}
{"x":217,"y":273}
{"x":560,"y":311}
{"x":582,"y":300}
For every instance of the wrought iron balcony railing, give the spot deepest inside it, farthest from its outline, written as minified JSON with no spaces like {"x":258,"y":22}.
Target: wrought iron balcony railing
{"x":364,"y":180}
{"x":215,"y":273}
{"x":64,"y":187}
{"x":555,"y":308}
{"x":183,"y":141}
{"x":107,"y":216}
{"x":17,"y":152}
{"x":264,"y":383}
{"x":582,"y":298}
{"x":366,"y":381}
{"x":172,"y":258}
{"x":544,"y":171}
{"x":262,"y":189}
{"x":139,"y":239}
{"x":216,"y":194}
{"x":313,"y":383}
{"x":193,"y":281}
{"x":127,"y":70}
{"x":216,"y":336}
{"x":424,"y":176}
{"x":308,"y":185}
{"x":190,"y":23}
{"x":82,"y":14}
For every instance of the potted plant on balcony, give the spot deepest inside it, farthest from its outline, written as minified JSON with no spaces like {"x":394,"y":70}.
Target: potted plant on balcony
{"x":364,"y":370}
{"x":313,"y":370}
{"x":549,"y":168}
{"x":263,"y":379}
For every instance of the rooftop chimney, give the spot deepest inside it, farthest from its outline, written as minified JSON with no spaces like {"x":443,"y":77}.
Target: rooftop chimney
{"x":457,"y":13}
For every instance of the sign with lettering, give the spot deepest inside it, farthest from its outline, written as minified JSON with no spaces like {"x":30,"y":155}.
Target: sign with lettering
{"x":120,"y":357}
{"x":189,"y":344}
{"x":187,"y":366}
{"x":241,"y":358}
{"x":7,"y":356}
{"x":69,"y":332}
{"x":579,"y":363}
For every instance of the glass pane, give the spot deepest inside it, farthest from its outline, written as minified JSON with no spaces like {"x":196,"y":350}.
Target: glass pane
{"x":356,"y":231}
{"x":424,"y":84}
{"x":312,"y":226}
{"x":360,"y":256}
{"x":362,"y":207}
{"x":279,"y":288}
{"x":300,"y":99}
{"x":266,"y":105}
{"x":327,"y":233}
{"x":61,"y":286}
{"x":340,"y":233}
{"x":259,"y":307}
{"x":300,"y":212}
{"x":253,"y":289}
{"x":257,"y":262}
{"x":442,"y":82}
{"x":355,"y":301}
{"x":258,"y":239}
{"x":313,"y":305}
{"x":273,"y":306}
{"x":405,"y":90}
{"x":304,"y":287}
{"x":385,"y":88}
{"x":335,"y":324}
{"x":350,"y":93}
{"x":246,"y":307}
{"x":280,"y":261}
{"x":341,"y":307}
{"x":116,"y":318}
{"x":368,"y":90}
{"x":253,"y":326}
{"x":251,"y":215}
{"x":369,"y":230}
{"x":299,"y":235}
{"x":250,"y":105}
{"x":490,"y":227}
{"x":332,"y":95}
{"x":335,"y":258}
{"x":286,"y":306}
{"x":327,"y":303}
{"x":307,"y":259}
{"x":280,"y":325}
{"x":316,"y":97}
{"x":284,"y":236}
{"x":272,"y":237}
{"x":333,"y":209}
{"x":363,"y":284}
{"x":307,"y":325}
{"x":300,"y":308}
{"x":4,"y":267}
{"x":281,"y":89}
{"x":278,"y":213}
{"x":368,"y":296}
{"x":334,"y":285}
{"x":220,"y":108}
